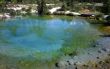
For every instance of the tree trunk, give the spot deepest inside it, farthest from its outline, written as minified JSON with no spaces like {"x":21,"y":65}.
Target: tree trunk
{"x":41,"y":7}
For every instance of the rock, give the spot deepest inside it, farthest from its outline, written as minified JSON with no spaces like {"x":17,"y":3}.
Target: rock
{"x":109,"y":54}
{"x":108,"y":18}
{"x":99,"y":51}
{"x":72,"y":13}
{"x":5,"y":16}
{"x":104,"y":49}
{"x":71,"y":62}
{"x":79,"y":63}
{"x":100,"y":62}
{"x":53,"y":10}
{"x":68,"y":62}
{"x":56,"y":64}
{"x":61,"y":64}
{"x":76,"y":68}
{"x":97,"y":57}
{"x":85,"y":65}
{"x":94,"y":45}
{"x":105,"y":16}
{"x":107,"y":61}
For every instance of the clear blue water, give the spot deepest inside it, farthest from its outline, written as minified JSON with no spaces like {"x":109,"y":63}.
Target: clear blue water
{"x":27,"y":36}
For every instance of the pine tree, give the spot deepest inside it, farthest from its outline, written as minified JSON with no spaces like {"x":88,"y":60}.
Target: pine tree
{"x":109,"y":7}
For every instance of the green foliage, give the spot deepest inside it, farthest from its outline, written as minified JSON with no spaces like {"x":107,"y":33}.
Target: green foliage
{"x":106,"y":7}
{"x":29,"y":1}
{"x":14,"y":1}
{"x":66,"y":5}
{"x":69,"y":51}
{"x":109,"y":7}
{"x":69,"y":4}
{"x":2,"y":1}
{"x":12,"y":12}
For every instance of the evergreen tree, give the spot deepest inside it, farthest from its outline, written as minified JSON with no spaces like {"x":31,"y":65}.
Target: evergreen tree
{"x":109,"y":7}
{"x":69,"y":4}
{"x":106,"y":7}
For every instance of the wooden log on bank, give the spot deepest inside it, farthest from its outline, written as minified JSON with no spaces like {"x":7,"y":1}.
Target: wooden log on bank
{"x":105,"y":35}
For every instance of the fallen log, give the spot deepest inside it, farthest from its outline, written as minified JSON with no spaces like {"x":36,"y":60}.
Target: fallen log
{"x":105,"y":35}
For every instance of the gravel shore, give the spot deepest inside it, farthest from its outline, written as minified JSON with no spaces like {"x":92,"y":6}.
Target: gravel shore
{"x":97,"y":57}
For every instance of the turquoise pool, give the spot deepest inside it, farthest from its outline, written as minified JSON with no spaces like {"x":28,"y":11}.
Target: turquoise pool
{"x":44,"y":39}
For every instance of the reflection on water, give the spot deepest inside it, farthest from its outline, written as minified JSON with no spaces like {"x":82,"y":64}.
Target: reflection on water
{"x":29,"y":37}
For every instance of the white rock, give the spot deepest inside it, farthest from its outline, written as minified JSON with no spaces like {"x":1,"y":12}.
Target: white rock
{"x":76,"y":13}
{"x":33,"y":11}
{"x":23,"y":12}
{"x":54,"y":9}
{"x":73,"y":13}
{"x":62,"y":64}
